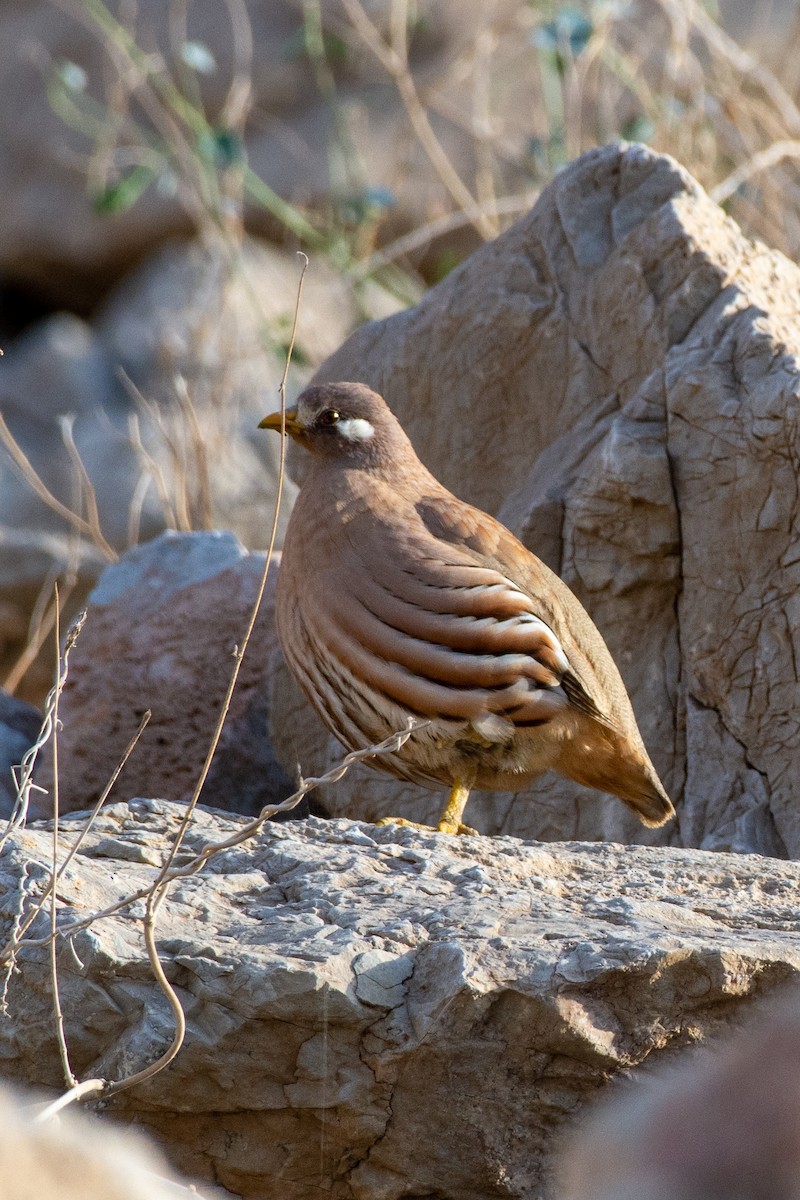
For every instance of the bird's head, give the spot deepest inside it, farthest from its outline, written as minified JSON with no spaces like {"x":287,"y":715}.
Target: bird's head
{"x":344,"y":421}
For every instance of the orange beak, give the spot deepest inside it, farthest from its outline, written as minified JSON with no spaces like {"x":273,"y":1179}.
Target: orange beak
{"x":291,"y":425}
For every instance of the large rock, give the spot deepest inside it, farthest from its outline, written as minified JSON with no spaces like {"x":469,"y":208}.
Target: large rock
{"x":615,"y":377}
{"x":161,"y":630}
{"x":379,"y":1013}
{"x":718,"y":1123}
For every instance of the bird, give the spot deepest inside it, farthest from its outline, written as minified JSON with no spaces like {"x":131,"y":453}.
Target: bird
{"x":401,"y":607}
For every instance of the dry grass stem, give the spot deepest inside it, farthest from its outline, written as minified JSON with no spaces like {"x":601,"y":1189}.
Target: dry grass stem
{"x":186,"y":503}
{"x":58,"y":1016}
{"x":238,"y":102}
{"x":32,"y":478}
{"x":199,"y":452}
{"x":744,"y":64}
{"x":150,"y":467}
{"x":24,"y":774}
{"x":135,"y":508}
{"x":776,"y":153}
{"x":40,"y":624}
{"x":394,"y":59}
{"x":86,"y":490}
{"x":87,"y":1090}
{"x":425,"y":234}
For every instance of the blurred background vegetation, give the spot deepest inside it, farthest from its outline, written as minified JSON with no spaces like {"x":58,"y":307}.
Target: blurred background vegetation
{"x":389,"y":136}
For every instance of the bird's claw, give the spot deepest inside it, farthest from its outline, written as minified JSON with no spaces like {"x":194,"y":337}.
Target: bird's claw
{"x":443,"y":826}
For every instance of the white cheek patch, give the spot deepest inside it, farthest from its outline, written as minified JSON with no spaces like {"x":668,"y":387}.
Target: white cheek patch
{"x":355,"y":429}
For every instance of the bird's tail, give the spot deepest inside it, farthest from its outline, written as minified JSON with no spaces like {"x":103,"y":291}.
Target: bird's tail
{"x":652,"y":805}
{"x":611,"y":763}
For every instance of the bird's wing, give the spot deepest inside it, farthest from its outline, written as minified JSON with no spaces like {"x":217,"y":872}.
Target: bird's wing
{"x":478,"y":534}
{"x":430,"y":623}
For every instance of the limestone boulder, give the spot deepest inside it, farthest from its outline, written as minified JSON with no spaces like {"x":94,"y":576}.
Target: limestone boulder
{"x":616,"y":377}
{"x":161,"y":631}
{"x":381,"y":1013}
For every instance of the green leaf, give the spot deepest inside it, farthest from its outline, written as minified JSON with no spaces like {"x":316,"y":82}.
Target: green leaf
{"x":567,"y":35}
{"x":121,"y":195}
{"x":639,"y":129}
{"x":335,"y":49}
{"x":222,"y":147}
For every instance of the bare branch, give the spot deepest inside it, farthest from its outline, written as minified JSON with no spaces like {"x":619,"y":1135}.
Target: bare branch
{"x":25,"y":780}
{"x":179,"y":1017}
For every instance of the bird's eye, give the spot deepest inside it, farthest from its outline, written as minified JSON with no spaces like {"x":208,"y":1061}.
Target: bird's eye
{"x":328,"y":416}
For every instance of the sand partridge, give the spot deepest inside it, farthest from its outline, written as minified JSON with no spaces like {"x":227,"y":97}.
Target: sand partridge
{"x":397,"y":600}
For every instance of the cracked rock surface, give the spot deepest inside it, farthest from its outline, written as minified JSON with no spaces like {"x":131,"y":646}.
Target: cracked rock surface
{"x":382,"y":1013}
{"x":616,"y":377}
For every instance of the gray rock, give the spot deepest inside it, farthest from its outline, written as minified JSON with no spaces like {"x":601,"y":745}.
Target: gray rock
{"x":612,"y":377}
{"x":379,"y":1012}
{"x":161,"y":630}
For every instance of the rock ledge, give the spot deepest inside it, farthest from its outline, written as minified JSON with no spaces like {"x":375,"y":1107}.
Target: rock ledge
{"x":380,"y":1012}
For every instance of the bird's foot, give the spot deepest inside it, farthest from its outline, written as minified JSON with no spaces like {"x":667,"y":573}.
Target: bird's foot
{"x":444,"y":826}
{"x":457,"y":827}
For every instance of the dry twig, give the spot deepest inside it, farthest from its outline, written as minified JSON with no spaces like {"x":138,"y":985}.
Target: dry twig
{"x":389,"y":745}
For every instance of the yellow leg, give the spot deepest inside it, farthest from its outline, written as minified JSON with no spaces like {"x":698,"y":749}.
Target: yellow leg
{"x":450,"y":820}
